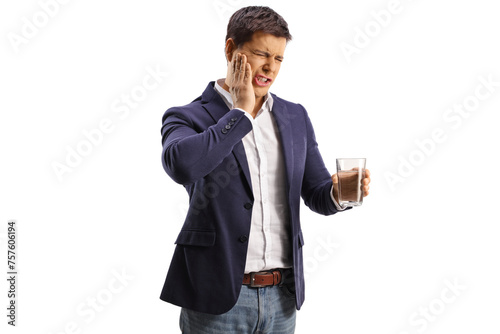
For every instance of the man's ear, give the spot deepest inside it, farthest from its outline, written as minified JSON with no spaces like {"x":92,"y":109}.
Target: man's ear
{"x":230,"y":48}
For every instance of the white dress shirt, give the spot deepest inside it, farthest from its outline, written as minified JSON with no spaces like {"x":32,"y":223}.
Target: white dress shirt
{"x":269,"y":242}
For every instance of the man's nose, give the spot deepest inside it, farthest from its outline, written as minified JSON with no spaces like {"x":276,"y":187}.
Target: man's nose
{"x":270,"y":65}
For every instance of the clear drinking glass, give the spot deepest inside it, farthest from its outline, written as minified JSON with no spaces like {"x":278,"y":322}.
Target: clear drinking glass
{"x":350,"y":172}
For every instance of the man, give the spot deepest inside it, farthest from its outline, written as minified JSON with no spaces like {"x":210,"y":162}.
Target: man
{"x":245,"y":157}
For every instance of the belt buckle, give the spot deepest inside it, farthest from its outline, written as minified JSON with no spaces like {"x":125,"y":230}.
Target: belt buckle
{"x":252,"y":281}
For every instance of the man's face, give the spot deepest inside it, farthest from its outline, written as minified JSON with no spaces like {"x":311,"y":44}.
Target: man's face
{"x":264,"y":54}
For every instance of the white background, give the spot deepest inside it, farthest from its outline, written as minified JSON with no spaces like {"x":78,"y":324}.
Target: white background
{"x":370,"y":270}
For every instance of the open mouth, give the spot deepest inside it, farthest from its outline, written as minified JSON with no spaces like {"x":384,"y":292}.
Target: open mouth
{"x":262,"y":80}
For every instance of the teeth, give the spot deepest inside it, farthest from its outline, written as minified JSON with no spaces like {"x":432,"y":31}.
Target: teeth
{"x":262,"y":79}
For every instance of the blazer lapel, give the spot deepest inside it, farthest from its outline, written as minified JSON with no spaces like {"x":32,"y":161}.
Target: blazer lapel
{"x":213,"y":103}
{"x":215,"y":106}
{"x":241,"y":157}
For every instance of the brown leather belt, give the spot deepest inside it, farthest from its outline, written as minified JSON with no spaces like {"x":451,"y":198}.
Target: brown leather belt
{"x":263,"y":278}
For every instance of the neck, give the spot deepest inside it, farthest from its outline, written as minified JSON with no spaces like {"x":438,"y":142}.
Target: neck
{"x":259,"y":101}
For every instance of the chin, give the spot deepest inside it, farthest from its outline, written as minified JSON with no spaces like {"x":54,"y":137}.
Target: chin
{"x":261,"y":91}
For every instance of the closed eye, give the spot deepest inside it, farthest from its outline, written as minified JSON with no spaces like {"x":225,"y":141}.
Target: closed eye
{"x":267,"y":55}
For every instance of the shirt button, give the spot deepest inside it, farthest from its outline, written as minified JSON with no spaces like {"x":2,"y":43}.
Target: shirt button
{"x":243,"y":239}
{"x":248,"y":206}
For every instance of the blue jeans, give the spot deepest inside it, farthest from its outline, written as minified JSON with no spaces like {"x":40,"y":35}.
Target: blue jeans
{"x":269,"y":310}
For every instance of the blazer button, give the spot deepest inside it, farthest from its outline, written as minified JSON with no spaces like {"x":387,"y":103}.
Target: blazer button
{"x":248,"y":206}
{"x":234,"y":119}
{"x":228,"y":126}
{"x":243,"y":239}
{"x":224,"y":130}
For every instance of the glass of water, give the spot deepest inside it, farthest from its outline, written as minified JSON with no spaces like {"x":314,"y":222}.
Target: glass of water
{"x":350,"y":172}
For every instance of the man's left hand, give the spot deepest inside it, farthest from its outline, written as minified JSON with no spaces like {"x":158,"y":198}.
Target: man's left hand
{"x":365,"y":185}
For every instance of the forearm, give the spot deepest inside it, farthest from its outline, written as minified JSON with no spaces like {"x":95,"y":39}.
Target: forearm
{"x":320,"y":199}
{"x":189,"y":155}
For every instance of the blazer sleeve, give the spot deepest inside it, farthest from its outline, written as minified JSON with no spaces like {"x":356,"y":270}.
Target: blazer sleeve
{"x":317,"y":181}
{"x":189,"y":155}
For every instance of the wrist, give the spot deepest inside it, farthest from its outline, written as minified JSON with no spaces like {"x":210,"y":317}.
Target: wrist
{"x":246,"y":107}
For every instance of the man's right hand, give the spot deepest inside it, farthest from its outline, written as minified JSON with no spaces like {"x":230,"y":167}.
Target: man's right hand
{"x":239,"y":80}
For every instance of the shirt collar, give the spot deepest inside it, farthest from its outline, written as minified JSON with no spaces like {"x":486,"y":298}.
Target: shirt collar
{"x":226,"y":96}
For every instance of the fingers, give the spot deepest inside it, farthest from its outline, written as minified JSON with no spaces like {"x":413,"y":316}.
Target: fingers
{"x":234,"y":70}
{"x":245,"y":68}
{"x":233,"y":63}
{"x":235,"y":67}
{"x":240,"y":87}
{"x":241,"y":66}
{"x":367,"y":178}
{"x":365,"y":188}
{"x":365,"y":182}
{"x":248,"y":73}
{"x":241,"y":70}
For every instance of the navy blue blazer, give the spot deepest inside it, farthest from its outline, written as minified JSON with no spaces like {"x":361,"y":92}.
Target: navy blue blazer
{"x":202,"y":150}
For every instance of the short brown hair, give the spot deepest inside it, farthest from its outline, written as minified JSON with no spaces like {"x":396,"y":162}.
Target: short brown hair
{"x":246,"y":21}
